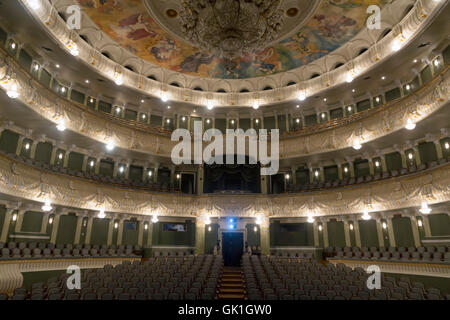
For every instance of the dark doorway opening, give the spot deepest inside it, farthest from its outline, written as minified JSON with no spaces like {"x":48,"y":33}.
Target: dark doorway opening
{"x":232,"y":248}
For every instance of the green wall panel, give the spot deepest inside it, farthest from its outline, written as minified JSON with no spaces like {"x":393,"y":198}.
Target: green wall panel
{"x":32,"y":221}
{"x":131,"y":236}
{"x":368,"y":233}
{"x":155,"y":121}
{"x":392,"y":94}
{"x":75,"y":161}
{"x":221,"y":124}
{"x":439,"y":224}
{"x":169,"y":238}
{"x":99,"y":234}
{"x":403,"y":232}
{"x":336,"y":234}
{"x":66,"y":229}
{"x":304,"y":235}
{"x":253,"y":238}
{"x":25,"y":60}
{"x":8,"y":141}
{"x":393,"y":161}
{"x":43,"y":152}
{"x":427,"y":152}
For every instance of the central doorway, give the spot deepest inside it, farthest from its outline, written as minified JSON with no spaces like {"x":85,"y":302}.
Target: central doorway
{"x":232,"y":248}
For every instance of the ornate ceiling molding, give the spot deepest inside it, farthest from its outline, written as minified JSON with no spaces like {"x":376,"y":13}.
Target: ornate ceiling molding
{"x":402,"y":33}
{"x":24,"y":182}
{"x":80,"y":119}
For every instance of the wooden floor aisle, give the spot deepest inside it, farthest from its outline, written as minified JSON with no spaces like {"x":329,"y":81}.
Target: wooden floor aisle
{"x":232,"y":284}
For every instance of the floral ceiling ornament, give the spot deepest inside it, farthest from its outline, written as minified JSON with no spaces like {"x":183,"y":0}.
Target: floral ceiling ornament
{"x":230,"y":28}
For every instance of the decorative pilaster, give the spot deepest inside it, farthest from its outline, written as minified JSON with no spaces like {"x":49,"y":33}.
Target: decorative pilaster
{"x":264,"y":232}
{"x":415,"y":231}
{"x":199,"y":236}
{"x":390,"y":231}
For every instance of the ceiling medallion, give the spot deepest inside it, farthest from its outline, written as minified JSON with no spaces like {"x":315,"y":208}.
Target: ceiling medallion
{"x":231,"y":28}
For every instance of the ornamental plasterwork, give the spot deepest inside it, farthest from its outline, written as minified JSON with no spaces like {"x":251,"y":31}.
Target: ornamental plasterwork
{"x":420,"y":16}
{"x":427,"y":100}
{"x":402,"y":192}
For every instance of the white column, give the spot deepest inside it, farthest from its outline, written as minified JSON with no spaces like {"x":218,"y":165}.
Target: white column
{"x":316,"y":234}
{"x":415,"y":231}
{"x":110,"y":231}
{"x":199,"y":236}
{"x":325,"y":233}
{"x":390,"y":227}
{"x":357,"y":233}
{"x":380,"y":235}
{"x":141,"y":231}
{"x":18,"y":226}
{"x":85,"y":163}
{"x":426,"y":225}
{"x":19,"y":145}
{"x":89,"y":230}
{"x":264,"y":233}
{"x":120,"y":232}
{"x":348,"y":242}
{"x":8,"y":219}
{"x":55,"y":228}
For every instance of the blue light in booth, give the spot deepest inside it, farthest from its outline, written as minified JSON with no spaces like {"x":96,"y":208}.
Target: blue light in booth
{"x":231,"y":220}
{"x":231,"y":226}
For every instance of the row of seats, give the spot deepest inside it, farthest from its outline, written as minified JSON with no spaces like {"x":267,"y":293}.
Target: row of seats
{"x":292,"y":254}
{"x":272,"y":278}
{"x":173,"y":253}
{"x":368,"y":178}
{"x":33,"y":250}
{"x":440,"y":254}
{"x":161,"y":187}
{"x":189,"y":278}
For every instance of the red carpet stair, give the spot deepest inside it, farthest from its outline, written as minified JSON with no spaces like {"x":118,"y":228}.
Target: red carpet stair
{"x":232,"y":284}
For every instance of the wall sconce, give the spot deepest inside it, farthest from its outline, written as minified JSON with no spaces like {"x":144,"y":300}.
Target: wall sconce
{"x":14,"y":217}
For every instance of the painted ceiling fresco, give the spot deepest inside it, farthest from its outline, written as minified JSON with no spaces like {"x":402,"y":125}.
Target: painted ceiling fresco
{"x":128,"y":23}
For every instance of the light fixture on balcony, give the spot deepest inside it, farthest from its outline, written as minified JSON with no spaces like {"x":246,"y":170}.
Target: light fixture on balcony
{"x":366,"y":215}
{"x":110,"y":145}
{"x":410,"y":125}
{"x":34,"y":4}
{"x":116,"y":225}
{"x":47,"y":206}
{"x":419,"y":222}
{"x":310,"y":218}
{"x":73,"y":48}
{"x":146,"y":226}
{"x":446,"y":145}
{"x":349,"y":77}
{"x":164,"y":97}
{"x":61,"y":126}
{"x":118,"y":78}
{"x":12,"y":88}
{"x":155,"y":218}
{"x":101,"y":214}
{"x":150,"y":173}
{"x":255,"y":229}
{"x":357,"y":145}
{"x":207,"y":220}
{"x":255,"y":105}
{"x":424,"y":208}
{"x":301,"y":96}
{"x":287,"y":176}
{"x":259,"y":219}
{"x":320,"y":227}
{"x":50,"y":220}
{"x":384,"y":225}
{"x":351,"y":226}
{"x":210,"y":105}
